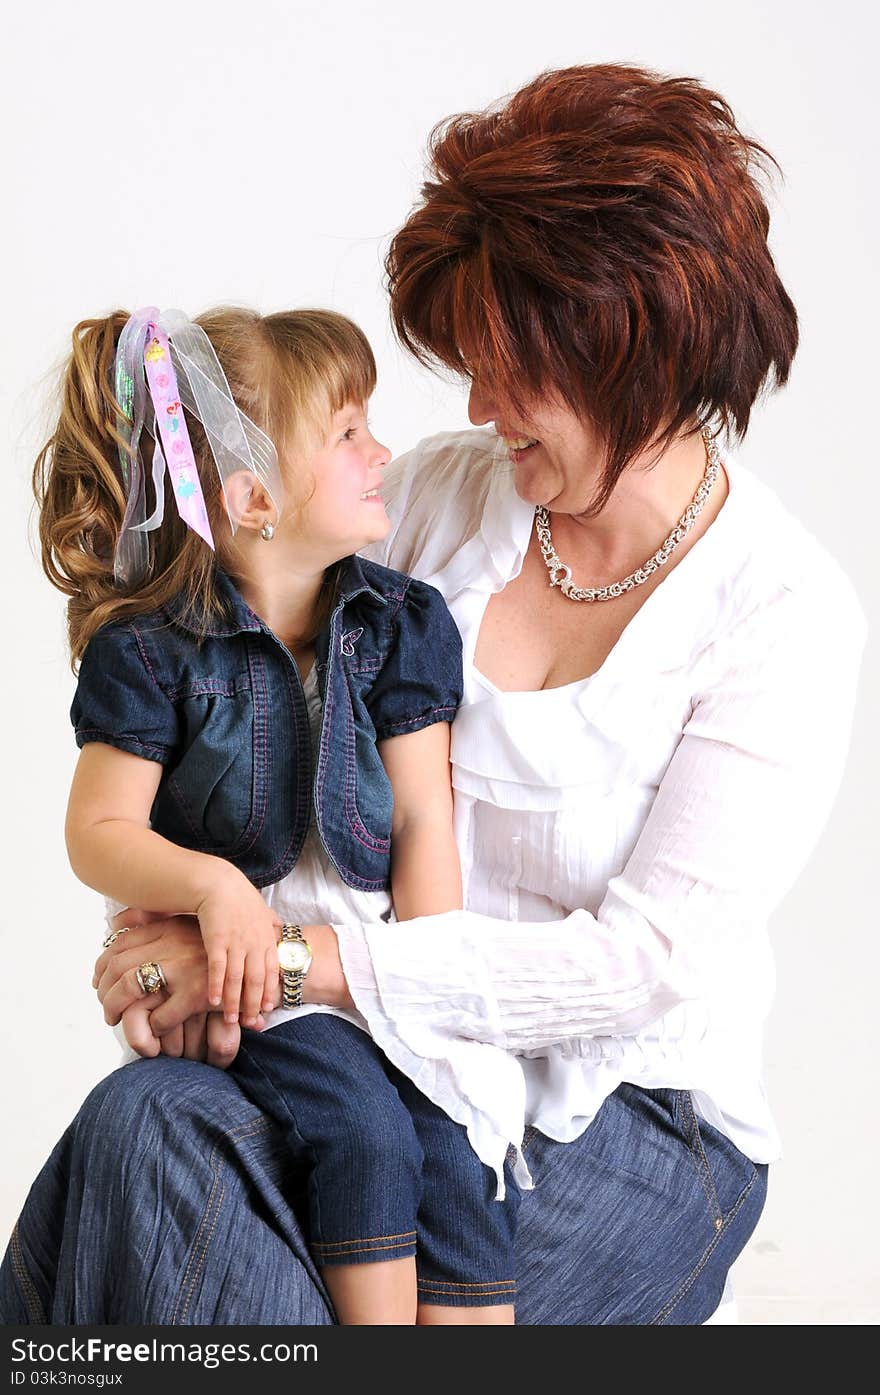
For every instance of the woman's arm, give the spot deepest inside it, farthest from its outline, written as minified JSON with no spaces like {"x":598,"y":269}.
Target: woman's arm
{"x":113,"y":849}
{"x":735,"y":818}
{"x":425,"y":868}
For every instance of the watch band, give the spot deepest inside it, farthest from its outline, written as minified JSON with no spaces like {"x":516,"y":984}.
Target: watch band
{"x":292,"y":979}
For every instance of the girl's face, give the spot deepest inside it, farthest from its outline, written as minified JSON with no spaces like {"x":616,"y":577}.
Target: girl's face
{"x":346,"y":511}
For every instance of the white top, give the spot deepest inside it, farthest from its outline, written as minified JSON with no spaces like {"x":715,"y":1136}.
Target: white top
{"x":313,"y":892}
{"x":624,"y":838}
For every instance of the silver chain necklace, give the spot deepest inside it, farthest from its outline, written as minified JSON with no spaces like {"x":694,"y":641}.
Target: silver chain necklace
{"x":560,"y":572}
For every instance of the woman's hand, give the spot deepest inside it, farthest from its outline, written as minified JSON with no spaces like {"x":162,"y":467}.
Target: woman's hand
{"x":202,"y":1037}
{"x":175,"y":942}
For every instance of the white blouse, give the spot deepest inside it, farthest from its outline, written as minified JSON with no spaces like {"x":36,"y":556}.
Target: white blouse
{"x":623,"y":838}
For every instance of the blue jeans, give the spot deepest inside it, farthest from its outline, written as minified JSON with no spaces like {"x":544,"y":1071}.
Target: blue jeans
{"x":170,"y":1200}
{"x":384,"y":1166}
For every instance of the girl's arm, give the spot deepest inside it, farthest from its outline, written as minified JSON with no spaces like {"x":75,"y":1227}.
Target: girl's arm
{"x":113,"y":849}
{"x":425,"y":868}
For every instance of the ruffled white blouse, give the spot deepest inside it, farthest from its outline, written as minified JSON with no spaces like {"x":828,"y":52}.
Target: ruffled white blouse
{"x":623,"y":838}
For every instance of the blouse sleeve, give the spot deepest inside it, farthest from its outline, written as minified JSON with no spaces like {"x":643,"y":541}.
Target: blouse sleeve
{"x":118,"y":700}
{"x":420,"y":682}
{"x":740,"y":807}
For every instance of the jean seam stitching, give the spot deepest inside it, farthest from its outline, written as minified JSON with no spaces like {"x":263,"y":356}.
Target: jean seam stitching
{"x":441,"y":1285}
{"x":482,"y":1293}
{"x":327,"y":1247}
{"x":36,"y":1311}
{"x":691,"y":1279}
{"x":200,"y":1248}
{"x":401,"y":1235}
{"x":698,"y":1153}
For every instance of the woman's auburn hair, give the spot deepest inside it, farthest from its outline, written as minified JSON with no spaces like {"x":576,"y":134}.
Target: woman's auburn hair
{"x":289,"y":372}
{"x":599,"y":237}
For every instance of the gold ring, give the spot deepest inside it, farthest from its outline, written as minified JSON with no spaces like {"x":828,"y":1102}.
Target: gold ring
{"x":150,"y":977}
{"x":114,"y":936}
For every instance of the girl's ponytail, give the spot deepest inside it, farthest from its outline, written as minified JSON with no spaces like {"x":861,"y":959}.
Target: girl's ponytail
{"x":78,"y":486}
{"x":76,"y":477}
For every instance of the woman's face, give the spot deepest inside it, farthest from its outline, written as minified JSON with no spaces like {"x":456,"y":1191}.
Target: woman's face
{"x":563,"y":467}
{"x":344,"y":513}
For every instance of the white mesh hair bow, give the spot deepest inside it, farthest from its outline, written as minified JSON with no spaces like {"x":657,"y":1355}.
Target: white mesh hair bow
{"x":165,"y":362}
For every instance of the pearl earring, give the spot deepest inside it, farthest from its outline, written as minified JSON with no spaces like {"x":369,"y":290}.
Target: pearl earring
{"x":267,"y":532}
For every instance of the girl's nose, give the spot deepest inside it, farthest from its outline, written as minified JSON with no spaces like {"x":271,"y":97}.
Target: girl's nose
{"x":382,"y":453}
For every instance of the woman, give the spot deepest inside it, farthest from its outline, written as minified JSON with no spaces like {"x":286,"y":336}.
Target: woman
{"x":642,"y":762}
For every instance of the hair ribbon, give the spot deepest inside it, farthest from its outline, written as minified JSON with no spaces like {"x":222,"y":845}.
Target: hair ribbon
{"x":165,"y":363}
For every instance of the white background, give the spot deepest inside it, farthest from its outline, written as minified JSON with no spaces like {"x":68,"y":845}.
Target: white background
{"x":262,"y":153}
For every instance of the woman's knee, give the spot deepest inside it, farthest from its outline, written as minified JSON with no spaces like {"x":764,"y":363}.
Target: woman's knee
{"x":161,"y":1096}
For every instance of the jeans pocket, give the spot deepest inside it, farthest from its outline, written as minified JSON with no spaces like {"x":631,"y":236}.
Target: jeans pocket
{"x":690,"y":1128}
{"x":528,"y":1137}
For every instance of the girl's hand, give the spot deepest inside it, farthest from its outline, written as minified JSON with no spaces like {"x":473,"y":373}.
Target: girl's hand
{"x":240,"y":933}
{"x":175,"y":942}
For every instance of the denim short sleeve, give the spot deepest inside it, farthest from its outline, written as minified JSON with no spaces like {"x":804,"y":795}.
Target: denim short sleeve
{"x":421,"y":680}
{"x":118,"y":700}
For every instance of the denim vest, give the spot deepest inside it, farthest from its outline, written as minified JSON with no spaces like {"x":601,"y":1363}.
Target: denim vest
{"x":226,"y":717}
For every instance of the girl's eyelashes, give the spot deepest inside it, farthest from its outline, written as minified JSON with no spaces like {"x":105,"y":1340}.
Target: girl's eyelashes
{"x":347,"y":435}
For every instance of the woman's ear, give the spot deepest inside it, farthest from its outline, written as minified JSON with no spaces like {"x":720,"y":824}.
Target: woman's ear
{"x":247,"y":501}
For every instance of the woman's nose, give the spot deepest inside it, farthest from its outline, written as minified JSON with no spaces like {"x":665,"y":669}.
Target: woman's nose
{"x":480,"y":408}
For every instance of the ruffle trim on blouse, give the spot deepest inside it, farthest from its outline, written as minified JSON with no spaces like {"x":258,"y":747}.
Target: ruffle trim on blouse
{"x":445,"y":1067}
{"x":521,"y":753}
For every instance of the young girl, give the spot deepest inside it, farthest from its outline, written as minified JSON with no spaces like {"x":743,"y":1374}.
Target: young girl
{"x":263,"y":720}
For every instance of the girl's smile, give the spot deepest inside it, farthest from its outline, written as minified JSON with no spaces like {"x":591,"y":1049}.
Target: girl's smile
{"x":344,"y":509}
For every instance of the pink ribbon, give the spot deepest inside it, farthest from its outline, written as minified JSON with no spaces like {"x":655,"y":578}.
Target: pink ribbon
{"x":171,"y":428}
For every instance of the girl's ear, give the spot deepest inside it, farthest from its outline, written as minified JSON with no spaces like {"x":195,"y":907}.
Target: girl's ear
{"x":247,"y":501}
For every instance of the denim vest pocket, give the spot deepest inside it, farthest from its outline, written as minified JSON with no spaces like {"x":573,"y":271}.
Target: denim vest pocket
{"x":369,"y":801}
{"x":207,"y":799}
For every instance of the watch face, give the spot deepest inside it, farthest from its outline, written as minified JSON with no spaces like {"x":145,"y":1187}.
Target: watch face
{"x":294,"y":956}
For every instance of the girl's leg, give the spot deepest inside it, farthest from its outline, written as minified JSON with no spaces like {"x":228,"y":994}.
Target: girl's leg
{"x":169,"y":1200}
{"x":638,"y":1221}
{"x":324,"y":1081}
{"x":373,"y":1295}
{"x":465,"y":1259}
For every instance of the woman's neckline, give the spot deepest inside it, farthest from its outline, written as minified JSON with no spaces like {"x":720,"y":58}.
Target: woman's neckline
{"x":530,"y":692}
{"x":717,"y":530}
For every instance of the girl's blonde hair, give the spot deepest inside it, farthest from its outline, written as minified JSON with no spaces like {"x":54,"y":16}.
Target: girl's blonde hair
{"x":288,"y":372}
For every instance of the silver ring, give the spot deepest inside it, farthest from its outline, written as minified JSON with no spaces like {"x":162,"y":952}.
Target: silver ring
{"x":150,"y":977}
{"x":114,"y":936}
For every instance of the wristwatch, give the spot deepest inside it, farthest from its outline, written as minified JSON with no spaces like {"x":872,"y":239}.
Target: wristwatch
{"x":294,"y":959}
